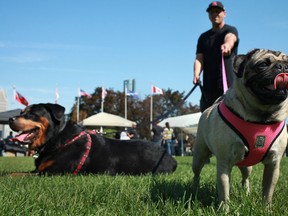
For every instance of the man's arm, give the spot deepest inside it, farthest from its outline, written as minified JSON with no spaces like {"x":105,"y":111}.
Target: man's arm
{"x":229,"y":42}
{"x":198,"y":66}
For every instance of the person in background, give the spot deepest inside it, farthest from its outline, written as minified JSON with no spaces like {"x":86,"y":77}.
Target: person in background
{"x":220,"y":40}
{"x":132,"y":132}
{"x":124,"y":135}
{"x":1,"y":146}
{"x":157,"y":134}
{"x":9,"y":139}
{"x":175,"y":146}
{"x":167,"y":137}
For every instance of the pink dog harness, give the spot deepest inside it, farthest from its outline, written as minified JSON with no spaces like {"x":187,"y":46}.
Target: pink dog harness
{"x":256,"y":136}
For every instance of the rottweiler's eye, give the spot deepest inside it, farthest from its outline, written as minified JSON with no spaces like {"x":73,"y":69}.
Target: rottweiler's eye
{"x":28,"y":115}
{"x":31,"y":116}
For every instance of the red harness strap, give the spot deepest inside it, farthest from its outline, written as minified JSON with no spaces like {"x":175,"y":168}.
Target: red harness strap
{"x":87,"y":151}
{"x":257,"y":137}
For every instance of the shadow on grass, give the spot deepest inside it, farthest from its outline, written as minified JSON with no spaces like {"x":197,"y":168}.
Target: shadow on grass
{"x":169,"y":190}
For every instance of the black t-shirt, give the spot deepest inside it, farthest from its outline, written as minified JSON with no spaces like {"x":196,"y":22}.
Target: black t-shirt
{"x":132,"y":131}
{"x":209,"y":44}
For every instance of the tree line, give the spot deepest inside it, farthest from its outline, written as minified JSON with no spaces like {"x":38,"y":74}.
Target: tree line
{"x":138,"y":110}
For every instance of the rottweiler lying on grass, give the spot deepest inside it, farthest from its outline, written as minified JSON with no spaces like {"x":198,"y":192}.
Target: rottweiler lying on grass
{"x":68,"y":148}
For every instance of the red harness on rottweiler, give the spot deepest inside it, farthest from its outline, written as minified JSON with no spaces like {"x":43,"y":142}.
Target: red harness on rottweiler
{"x":88,"y":148}
{"x":257,"y":137}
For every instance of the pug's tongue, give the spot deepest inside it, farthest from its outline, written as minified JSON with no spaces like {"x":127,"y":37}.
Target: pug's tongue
{"x":281,"y":81}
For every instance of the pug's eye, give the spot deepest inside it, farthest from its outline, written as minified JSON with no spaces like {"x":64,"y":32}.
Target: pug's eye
{"x":263,"y":65}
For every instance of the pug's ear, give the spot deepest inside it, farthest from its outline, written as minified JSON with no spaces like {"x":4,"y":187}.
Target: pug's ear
{"x":238,"y":65}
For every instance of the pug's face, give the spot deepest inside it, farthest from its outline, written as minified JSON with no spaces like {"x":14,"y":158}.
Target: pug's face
{"x":265,"y":73}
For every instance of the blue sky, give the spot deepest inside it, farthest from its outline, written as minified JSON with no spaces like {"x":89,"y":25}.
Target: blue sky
{"x":73,"y":44}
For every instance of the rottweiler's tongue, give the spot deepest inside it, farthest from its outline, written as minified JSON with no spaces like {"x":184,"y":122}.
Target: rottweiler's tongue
{"x":20,"y":138}
{"x":281,"y":81}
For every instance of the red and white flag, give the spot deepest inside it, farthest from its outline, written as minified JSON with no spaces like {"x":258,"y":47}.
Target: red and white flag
{"x":156,"y":90}
{"x":104,"y":93}
{"x":56,"y":95}
{"x":85,"y":94}
{"x":21,"y":99}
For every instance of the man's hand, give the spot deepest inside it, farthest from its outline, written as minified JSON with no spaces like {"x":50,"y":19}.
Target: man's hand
{"x":196,"y":80}
{"x":226,"y":49}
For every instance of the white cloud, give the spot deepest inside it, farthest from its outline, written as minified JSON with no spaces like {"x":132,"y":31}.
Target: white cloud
{"x":36,"y":45}
{"x":25,"y":58}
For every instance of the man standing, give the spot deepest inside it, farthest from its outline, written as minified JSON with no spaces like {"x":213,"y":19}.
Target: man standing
{"x":132,"y":132}
{"x":220,"y":41}
{"x":167,"y":137}
{"x":157,"y":136}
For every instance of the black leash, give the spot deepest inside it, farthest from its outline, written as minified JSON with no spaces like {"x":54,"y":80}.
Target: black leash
{"x":159,"y":161}
{"x":203,"y":92}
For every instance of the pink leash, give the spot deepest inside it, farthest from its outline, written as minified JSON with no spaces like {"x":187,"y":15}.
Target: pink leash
{"x":224,"y":78}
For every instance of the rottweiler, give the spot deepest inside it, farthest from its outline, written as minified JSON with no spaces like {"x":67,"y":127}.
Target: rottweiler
{"x":66,"y":147}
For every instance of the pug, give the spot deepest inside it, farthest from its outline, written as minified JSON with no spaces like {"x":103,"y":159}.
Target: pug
{"x":247,"y":125}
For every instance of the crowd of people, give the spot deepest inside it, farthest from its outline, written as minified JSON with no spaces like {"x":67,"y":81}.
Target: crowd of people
{"x":161,"y":136}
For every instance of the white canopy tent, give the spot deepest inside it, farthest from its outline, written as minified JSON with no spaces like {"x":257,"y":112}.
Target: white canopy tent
{"x":4,"y":121}
{"x":107,"y":119}
{"x":4,"y":116}
{"x":188,"y":123}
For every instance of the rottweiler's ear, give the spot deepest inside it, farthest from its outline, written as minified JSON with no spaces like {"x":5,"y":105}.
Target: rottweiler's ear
{"x":238,"y":65}
{"x":57,"y":111}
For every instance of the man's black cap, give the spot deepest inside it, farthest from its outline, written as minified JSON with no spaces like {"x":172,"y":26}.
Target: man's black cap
{"x":215,"y":4}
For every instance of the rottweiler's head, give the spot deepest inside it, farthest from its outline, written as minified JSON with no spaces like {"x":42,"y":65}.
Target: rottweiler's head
{"x":37,"y":123}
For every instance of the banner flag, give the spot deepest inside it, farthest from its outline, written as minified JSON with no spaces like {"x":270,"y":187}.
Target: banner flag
{"x":156,"y":90}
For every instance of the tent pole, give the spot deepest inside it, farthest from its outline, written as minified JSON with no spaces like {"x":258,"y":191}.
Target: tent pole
{"x":182,"y":144}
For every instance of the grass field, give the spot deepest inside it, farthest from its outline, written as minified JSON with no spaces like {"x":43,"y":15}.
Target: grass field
{"x":131,"y":195}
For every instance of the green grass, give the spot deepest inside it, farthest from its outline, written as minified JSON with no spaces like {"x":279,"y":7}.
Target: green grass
{"x":131,"y":195}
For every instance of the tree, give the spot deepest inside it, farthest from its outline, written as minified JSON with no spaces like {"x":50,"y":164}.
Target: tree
{"x":168,"y":105}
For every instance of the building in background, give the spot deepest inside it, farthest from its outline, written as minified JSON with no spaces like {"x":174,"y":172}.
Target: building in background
{"x":3,"y":100}
{"x":3,"y":107}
